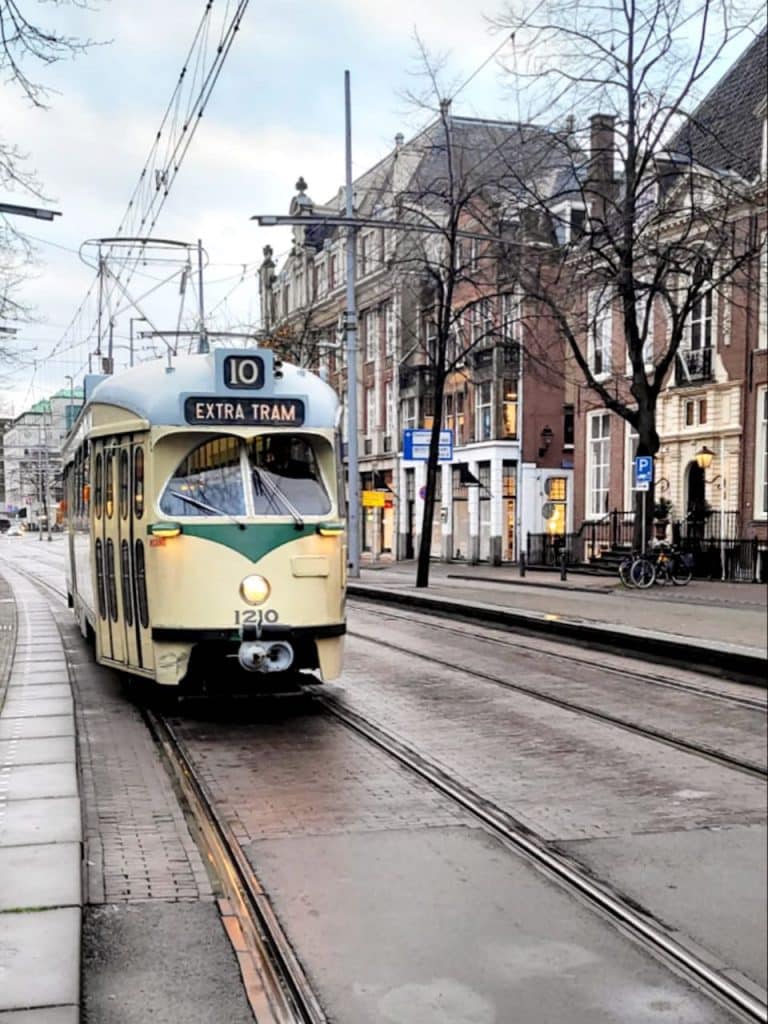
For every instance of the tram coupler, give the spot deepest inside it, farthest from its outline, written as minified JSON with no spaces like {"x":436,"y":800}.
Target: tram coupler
{"x":257,"y":655}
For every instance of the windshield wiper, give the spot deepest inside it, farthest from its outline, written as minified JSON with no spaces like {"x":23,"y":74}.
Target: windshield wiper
{"x":273,"y":491}
{"x":206,"y":507}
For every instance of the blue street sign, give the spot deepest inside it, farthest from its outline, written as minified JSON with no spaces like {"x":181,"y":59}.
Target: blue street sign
{"x":643,"y":472}
{"x":416,"y":445}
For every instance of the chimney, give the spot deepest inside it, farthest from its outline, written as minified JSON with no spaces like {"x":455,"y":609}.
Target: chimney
{"x":445,"y":107}
{"x":399,"y":140}
{"x":601,"y":152}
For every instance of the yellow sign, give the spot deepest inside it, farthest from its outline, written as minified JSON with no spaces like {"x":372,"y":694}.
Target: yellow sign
{"x":373,"y":499}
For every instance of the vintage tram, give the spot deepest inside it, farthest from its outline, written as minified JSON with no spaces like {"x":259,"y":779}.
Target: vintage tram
{"x":204,"y":511}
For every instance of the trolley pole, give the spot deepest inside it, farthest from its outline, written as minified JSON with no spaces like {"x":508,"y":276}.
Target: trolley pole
{"x":350,"y":327}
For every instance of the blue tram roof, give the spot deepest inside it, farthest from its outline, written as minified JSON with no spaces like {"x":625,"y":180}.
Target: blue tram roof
{"x":159,"y":393}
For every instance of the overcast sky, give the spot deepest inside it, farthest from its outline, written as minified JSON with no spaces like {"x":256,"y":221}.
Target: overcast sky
{"x":276,"y":112}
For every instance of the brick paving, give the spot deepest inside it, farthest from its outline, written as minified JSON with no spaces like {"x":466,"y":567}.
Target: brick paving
{"x":137,"y":843}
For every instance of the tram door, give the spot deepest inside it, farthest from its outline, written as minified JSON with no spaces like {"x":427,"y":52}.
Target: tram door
{"x":111,"y":551}
{"x":109,"y":641}
{"x":124,"y":553}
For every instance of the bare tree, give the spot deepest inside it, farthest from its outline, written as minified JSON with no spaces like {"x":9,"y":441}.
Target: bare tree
{"x":645,"y":227}
{"x":24,"y":43}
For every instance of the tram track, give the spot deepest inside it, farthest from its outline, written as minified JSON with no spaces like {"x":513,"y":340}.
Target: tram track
{"x":275,"y":985}
{"x":571,"y":658}
{"x":658,"y":735}
{"x":282,"y":994}
{"x":559,"y":867}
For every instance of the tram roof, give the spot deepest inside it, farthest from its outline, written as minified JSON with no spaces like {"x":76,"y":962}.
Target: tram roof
{"x":156,"y":392}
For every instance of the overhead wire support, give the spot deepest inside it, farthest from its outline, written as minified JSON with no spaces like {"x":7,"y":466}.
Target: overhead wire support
{"x":161,"y":167}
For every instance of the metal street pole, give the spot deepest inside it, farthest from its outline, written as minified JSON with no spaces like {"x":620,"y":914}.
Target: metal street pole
{"x":203,"y":345}
{"x":350,"y":326}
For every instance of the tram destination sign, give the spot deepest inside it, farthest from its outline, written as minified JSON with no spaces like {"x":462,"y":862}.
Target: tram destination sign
{"x":244,"y":412}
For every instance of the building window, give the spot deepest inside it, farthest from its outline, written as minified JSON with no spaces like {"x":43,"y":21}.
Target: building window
{"x":761,"y":456}
{"x":568,"y":426}
{"x":370,"y":411}
{"x":389,"y":408}
{"x":762,"y":314}
{"x":409,"y":414}
{"x":599,"y":323}
{"x":509,"y":409}
{"x":483,"y":405}
{"x":695,"y":412}
{"x":371,"y":335}
{"x":460,"y":439}
{"x":700,"y":323}
{"x":389,"y":328}
{"x":598,"y":463}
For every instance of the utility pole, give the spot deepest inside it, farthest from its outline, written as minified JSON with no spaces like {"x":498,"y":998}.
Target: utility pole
{"x":203,"y":345}
{"x":350,"y":326}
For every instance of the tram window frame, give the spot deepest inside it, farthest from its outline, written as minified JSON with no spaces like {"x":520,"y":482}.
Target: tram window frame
{"x":126,"y":578}
{"x":86,"y":480}
{"x":140,"y":577}
{"x":138,"y":482}
{"x":109,"y":484}
{"x":98,"y":485}
{"x":123,"y":483}
{"x":101,"y":594}
{"x":111,"y":580}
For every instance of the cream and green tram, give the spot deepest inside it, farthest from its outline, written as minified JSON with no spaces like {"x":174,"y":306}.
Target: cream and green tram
{"x":205,"y":531}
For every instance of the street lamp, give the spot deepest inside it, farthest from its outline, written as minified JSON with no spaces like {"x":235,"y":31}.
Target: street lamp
{"x":704,"y":457}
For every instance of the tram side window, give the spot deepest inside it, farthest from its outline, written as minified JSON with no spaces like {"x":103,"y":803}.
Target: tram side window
{"x":138,"y":483}
{"x":98,"y":482}
{"x":109,"y":484}
{"x":208,"y":482}
{"x":285,"y":466}
{"x":124,"y":484}
{"x":85,"y":481}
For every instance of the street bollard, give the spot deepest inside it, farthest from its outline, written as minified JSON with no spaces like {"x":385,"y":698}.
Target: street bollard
{"x":563,"y":566}
{"x":522,"y":563}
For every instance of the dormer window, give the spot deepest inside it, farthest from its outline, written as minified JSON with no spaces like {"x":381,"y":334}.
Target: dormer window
{"x":569,"y":220}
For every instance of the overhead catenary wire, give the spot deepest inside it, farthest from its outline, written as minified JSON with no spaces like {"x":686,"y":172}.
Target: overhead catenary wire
{"x":152,"y":189}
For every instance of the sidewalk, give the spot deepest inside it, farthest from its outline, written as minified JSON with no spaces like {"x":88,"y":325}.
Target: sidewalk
{"x":40,"y":823}
{"x":706,"y":617}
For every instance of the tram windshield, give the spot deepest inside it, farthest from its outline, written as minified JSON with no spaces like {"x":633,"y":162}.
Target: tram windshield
{"x":281,"y":474}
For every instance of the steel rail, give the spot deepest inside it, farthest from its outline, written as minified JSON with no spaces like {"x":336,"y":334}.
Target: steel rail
{"x":639,"y":925}
{"x":571,"y":657}
{"x":658,"y":735}
{"x":285,"y":993}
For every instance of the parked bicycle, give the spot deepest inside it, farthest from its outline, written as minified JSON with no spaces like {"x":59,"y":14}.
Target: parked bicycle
{"x":661,"y":565}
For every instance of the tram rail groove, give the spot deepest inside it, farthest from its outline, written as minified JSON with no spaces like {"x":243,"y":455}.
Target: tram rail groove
{"x":709,"y":753}
{"x":633,"y":921}
{"x":286,"y":996}
{"x":738,"y":666}
{"x":644,"y":677}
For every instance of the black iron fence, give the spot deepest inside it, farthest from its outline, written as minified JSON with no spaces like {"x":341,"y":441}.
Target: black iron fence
{"x":715,"y":555}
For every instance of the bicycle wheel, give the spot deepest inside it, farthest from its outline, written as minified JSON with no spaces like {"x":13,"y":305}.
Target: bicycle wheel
{"x":625,"y":571}
{"x":681,"y":573}
{"x":642,"y":573}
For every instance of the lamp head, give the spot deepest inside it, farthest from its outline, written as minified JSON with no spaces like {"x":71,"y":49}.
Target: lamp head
{"x":704,"y":457}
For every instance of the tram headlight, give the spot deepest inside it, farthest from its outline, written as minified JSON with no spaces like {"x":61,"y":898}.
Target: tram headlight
{"x":254,"y":589}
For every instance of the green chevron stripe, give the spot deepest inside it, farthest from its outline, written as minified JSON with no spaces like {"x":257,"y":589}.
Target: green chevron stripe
{"x":254,"y":541}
